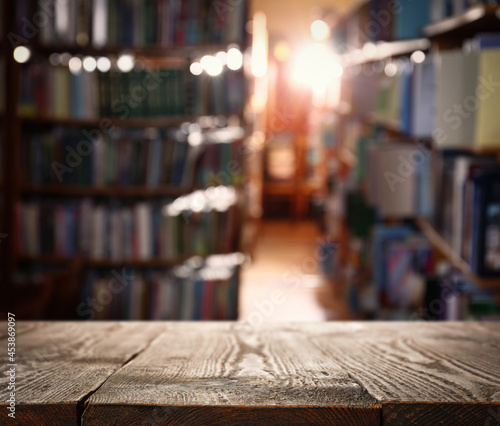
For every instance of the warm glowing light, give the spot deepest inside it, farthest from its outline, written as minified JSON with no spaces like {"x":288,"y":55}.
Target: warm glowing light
{"x":222,"y":57}
{"x":89,"y":64}
{"x":22,"y":54}
{"x":417,"y":57}
{"x":125,"y":63}
{"x":196,"y":68}
{"x":282,"y":51}
{"x":75,"y":65}
{"x":320,"y":30}
{"x":369,"y":50}
{"x":103,"y":64}
{"x":259,"y":45}
{"x":316,"y":66}
{"x":391,"y":70}
{"x":211,"y":65}
{"x":234,"y":59}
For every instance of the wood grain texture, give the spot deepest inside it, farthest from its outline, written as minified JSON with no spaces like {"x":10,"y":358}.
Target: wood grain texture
{"x":207,"y":365}
{"x":59,"y":364}
{"x":228,"y":373}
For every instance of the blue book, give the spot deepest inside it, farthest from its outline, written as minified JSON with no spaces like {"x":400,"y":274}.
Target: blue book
{"x":413,"y":17}
{"x":486,"y":41}
{"x":77,"y":104}
{"x":405,"y":98}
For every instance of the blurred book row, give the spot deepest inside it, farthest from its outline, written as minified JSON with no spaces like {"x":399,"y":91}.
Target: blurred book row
{"x":151,"y":157}
{"x":134,"y":23}
{"x":200,"y":223}
{"x":59,"y":92}
{"x":199,"y":289}
{"x":451,"y":96}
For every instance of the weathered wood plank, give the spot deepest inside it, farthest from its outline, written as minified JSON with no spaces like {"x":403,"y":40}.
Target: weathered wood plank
{"x":217,"y":372}
{"x":59,"y":364}
{"x":422,"y":373}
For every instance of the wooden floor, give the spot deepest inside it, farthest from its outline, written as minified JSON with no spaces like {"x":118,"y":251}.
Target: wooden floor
{"x":284,"y":262}
{"x":349,"y":373}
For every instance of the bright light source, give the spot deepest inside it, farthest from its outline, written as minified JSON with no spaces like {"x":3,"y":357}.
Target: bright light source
{"x":125,"y":63}
{"x":417,"y":57}
{"x":320,"y":30}
{"x":211,"y":65}
{"x":196,"y":68}
{"x":222,"y":57}
{"x":75,"y":65}
{"x":89,"y":64}
{"x":234,"y":59}
{"x":369,"y":49}
{"x":391,"y":70}
{"x":22,"y":54}
{"x":282,"y":51}
{"x":103,"y":64}
{"x":316,"y":66}
{"x":259,"y":45}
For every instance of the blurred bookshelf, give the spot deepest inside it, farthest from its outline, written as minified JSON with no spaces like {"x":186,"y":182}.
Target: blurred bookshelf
{"x":403,"y":239}
{"x":184,"y":141}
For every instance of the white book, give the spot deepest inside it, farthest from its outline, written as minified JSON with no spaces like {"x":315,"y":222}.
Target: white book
{"x":423,"y":99}
{"x":143,"y":231}
{"x":456,"y":83}
{"x":100,"y":23}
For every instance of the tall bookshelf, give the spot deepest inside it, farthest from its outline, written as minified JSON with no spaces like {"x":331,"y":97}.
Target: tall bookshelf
{"x":204,"y":139}
{"x":365,"y":60}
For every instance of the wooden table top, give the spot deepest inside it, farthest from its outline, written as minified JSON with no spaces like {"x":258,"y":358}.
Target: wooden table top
{"x":147,"y":373}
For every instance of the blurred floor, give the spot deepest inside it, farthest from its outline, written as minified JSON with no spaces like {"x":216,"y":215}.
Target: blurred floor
{"x":283,"y":283}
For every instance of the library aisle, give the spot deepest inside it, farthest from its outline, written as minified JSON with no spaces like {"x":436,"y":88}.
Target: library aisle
{"x":282,"y":283}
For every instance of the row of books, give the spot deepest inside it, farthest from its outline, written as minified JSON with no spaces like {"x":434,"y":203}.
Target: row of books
{"x":151,"y":157}
{"x":201,"y":223}
{"x":469,"y":214}
{"x":381,"y":20}
{"x":207,"y":291}
{"x":131,"y":22}
{"x":56,"y":92}
{"x":387,"y":20}
{"x":451,"y":97}
{"x":456,"y":189}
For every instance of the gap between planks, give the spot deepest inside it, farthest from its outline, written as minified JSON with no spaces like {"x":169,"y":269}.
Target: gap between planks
{"x":83,"y":403}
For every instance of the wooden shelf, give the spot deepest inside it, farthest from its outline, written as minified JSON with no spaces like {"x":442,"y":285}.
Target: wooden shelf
{"x":111,"y":263}
{"x":106,"y":122}
{"x":384,"y":50}
{"x":478,"y":19}
{"x":146,"y":51}
{"x":444,"y":248}
{"x":104,"y":191}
